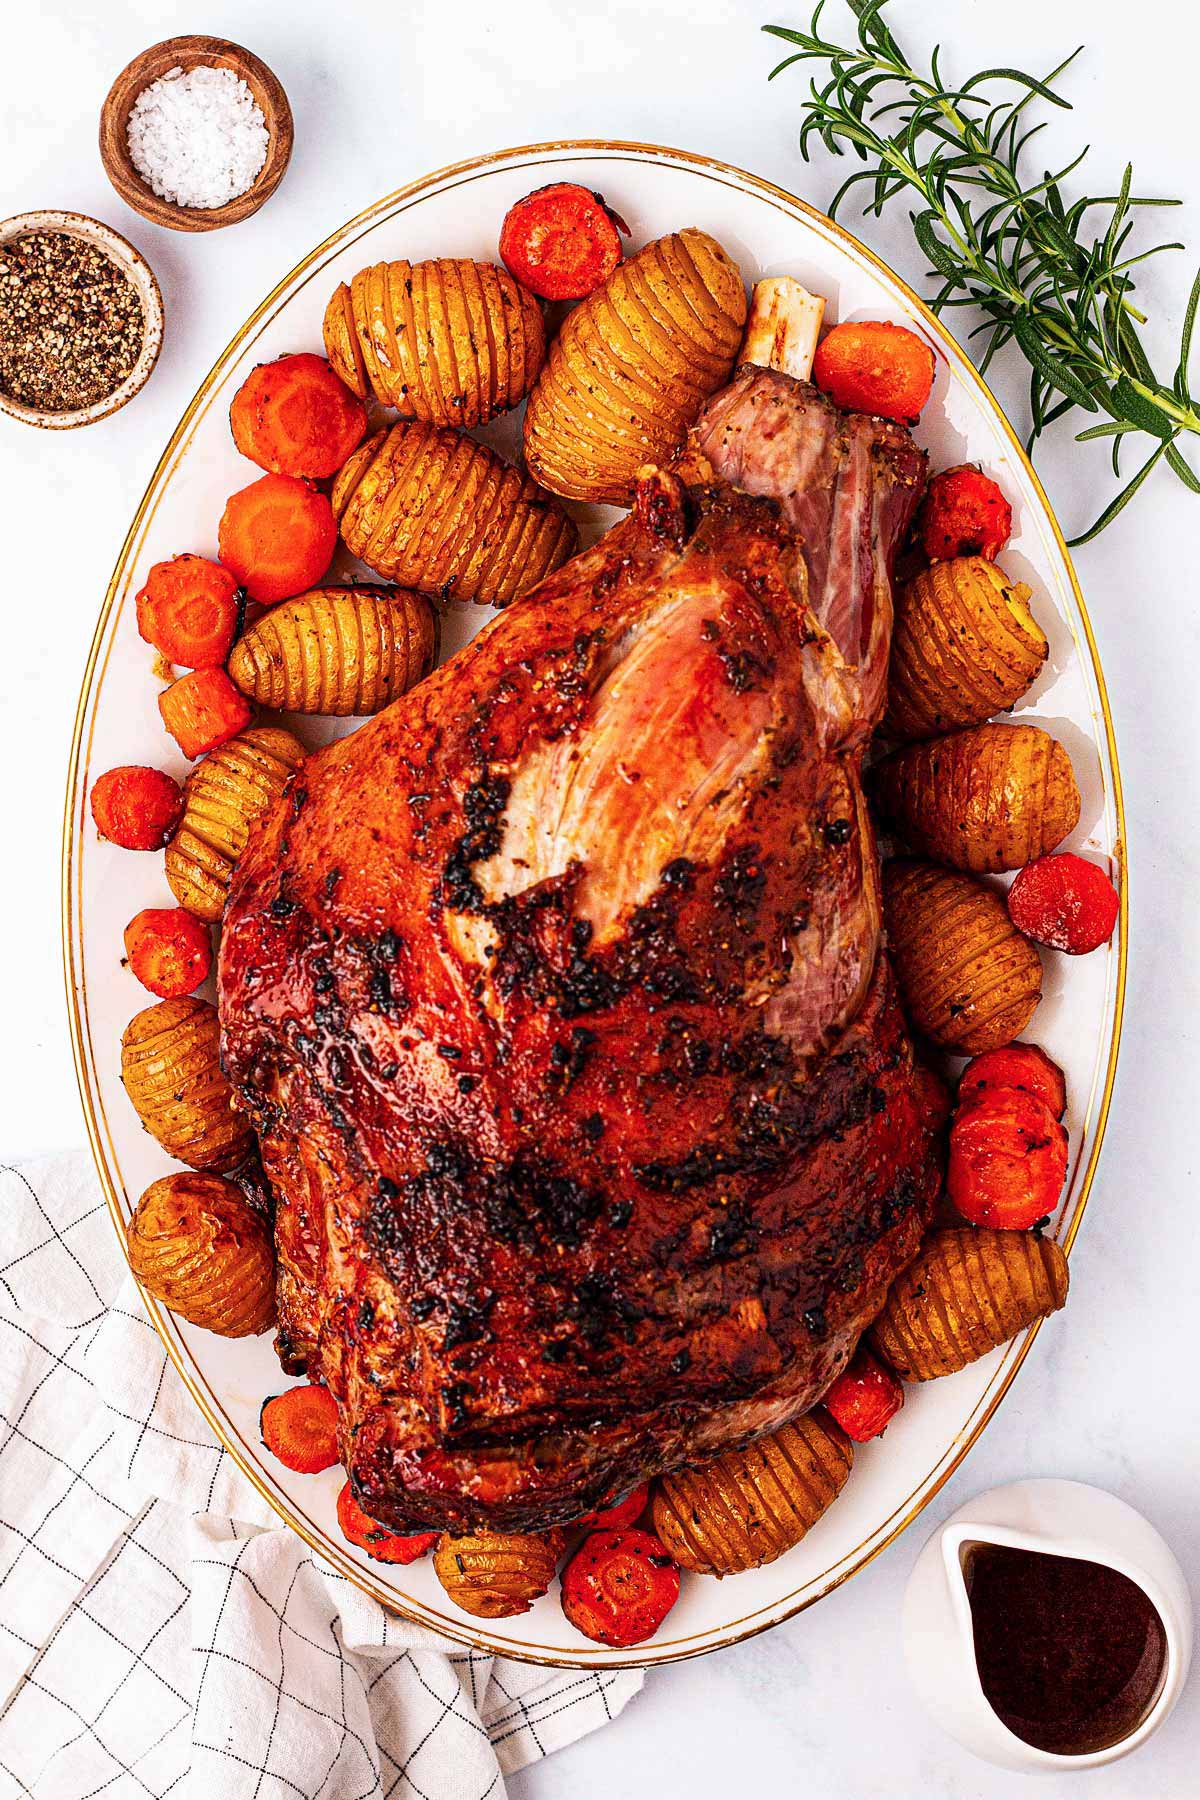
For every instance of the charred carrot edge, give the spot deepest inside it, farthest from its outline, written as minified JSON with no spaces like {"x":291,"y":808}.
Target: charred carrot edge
{"x":136,"y":807}
{"x":365,"y":1533}
{"x":561,"y":241}
{"x":278,"y":536}
{"x":299,"y":1427}
{"x":202,"y":710}
{"x":191,"y":610}
{"x":169,"y":950}
{"x":295,"y":416}
{"x":1064,"y":902}
{"x":872,"y":366}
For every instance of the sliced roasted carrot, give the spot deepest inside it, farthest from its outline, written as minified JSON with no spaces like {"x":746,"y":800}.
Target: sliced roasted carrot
{"x":1008,"y":1160}
{"x":169,"y":950}
{"x":136,"y":807}
{"x":873,"y":367}
{"x":294,"y":417}
{"x":300,"y":1428}
{"x":1024,"y":1066}
{"x":378,"y":1542}
{"x":618,"y":1513}
{"x":191,"y":610}
{"x":963,"y":513}
{"x":1065,"y":902}
{"x":203,"y":709}
{"x":560,"y":241}
{"x":278,"y":536}
{"x":619,"y":1587}
{"x":866,"y":1396}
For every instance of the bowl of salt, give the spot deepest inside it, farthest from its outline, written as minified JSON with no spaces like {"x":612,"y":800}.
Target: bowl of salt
{"x":196,"y":133}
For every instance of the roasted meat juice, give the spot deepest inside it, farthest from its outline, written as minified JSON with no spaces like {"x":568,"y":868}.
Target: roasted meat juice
{"x":1071,"y":1654}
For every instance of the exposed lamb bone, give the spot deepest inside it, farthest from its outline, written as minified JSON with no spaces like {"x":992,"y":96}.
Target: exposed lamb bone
{"x":783,"y":326}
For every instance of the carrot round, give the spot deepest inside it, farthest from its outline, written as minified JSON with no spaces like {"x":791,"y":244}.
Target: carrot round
{"x":136,"y":807}
{"x":190,"y":609}
{"x":619,"y":1587}
{"x":871,"y":366}
{"x":299,"y":1427}
{"x":1022,"y":1066}
{"x":560,"y":241}
{"x":278,"y":536}
{"x":963,"y":513}
{"x":865,"y":1398}
{"x":294,"y":416}
{"x":1008,"y":1160}
{"x":365,"y":1533}
{"x":618,"y":1513}
{"x":1065,"y":902}
{"x":202,"y":710}
{"x":169,"y":950}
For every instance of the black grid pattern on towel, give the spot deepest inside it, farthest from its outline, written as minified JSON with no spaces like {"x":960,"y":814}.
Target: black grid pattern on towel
{"x":159,"y":1633}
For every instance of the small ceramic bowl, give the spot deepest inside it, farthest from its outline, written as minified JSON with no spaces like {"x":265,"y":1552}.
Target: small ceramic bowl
{"x":127,"y":259}
{"x":187,"y":53}
{"x":1059,"y":1518}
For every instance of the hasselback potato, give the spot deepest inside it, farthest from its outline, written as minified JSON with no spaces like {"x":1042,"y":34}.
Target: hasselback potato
{"x":749,"y":1506}
{"x":495,"y":1574}
{"x":967,"y":1293}
{"x":633,"y":365}
{"x":436,"y":511}
{"x":992,"y":797}
{"x":222,"y":798}
{"x":336,"y":651}
{"x":968,"y":979}
{"x":199,"y":1246}
{"x":449,"y":341}
{"x":172,"y":1073}
{"x":964,"y":646}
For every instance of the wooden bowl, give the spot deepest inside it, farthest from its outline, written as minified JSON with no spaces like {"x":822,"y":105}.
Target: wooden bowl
{"x":186,"y":53}
{"x":127,"y":259}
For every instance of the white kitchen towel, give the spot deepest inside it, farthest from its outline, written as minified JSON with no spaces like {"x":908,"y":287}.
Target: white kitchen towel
{"x":159,"y":1631}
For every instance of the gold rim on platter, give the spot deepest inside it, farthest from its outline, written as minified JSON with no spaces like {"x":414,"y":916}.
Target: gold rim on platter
{"x":470,"y":1633}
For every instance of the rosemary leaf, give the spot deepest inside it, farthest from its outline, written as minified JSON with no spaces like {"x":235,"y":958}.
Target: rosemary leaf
{"x":1052,"y":274}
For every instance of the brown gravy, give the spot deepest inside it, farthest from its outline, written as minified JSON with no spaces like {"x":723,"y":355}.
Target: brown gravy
{"x":1071,"y":1654}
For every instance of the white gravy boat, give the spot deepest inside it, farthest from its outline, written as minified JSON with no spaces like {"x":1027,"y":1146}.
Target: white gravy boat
{"x":1059,"y":1518}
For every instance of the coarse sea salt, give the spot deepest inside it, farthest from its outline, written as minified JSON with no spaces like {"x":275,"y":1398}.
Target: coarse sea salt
{"x":199,"y":139}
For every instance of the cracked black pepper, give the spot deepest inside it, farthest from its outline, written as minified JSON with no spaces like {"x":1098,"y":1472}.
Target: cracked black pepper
{"x":71,"y":322}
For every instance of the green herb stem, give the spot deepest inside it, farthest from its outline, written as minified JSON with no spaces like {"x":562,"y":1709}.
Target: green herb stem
{"x":1044,"y":275}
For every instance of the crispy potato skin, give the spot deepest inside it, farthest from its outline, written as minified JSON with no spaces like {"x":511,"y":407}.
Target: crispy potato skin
{"x":172,"y":1073}
{"x":435,"y":511}
{"x":965,"y":646}
{"x":632,"y":366}
{"x":988,"y":798}
{"x":448,"y":341}
{"x":496,"y":1575}
{"x":199,"y":1246}
{"x":223,"y":798}
{"x":339,"y":652}
{"x":968,"y":979}
{"x":968,"y":1292}
{"x":747,"y":1507}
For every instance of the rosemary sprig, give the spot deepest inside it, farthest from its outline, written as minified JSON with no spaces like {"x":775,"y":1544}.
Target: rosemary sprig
{"x":1046,"y":276}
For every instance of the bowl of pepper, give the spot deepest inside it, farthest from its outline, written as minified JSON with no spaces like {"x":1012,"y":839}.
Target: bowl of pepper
{"x":81,"y":319}
{"x":196,"y":133}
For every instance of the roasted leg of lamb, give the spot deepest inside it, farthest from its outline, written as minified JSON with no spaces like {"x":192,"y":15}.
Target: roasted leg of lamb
{"x":557,"y":998}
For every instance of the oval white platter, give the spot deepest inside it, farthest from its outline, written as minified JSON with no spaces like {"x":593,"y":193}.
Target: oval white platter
{"x":458,"y":213}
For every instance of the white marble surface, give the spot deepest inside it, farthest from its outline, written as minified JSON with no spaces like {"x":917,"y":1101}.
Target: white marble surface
{"x":381,"y":94}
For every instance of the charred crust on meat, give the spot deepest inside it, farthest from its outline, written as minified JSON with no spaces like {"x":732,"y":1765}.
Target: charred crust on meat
{"x":732,"y":1233}
{"x":467,"y":1322}
{"x":483,"y":809}
{"x":568,"y":1060}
